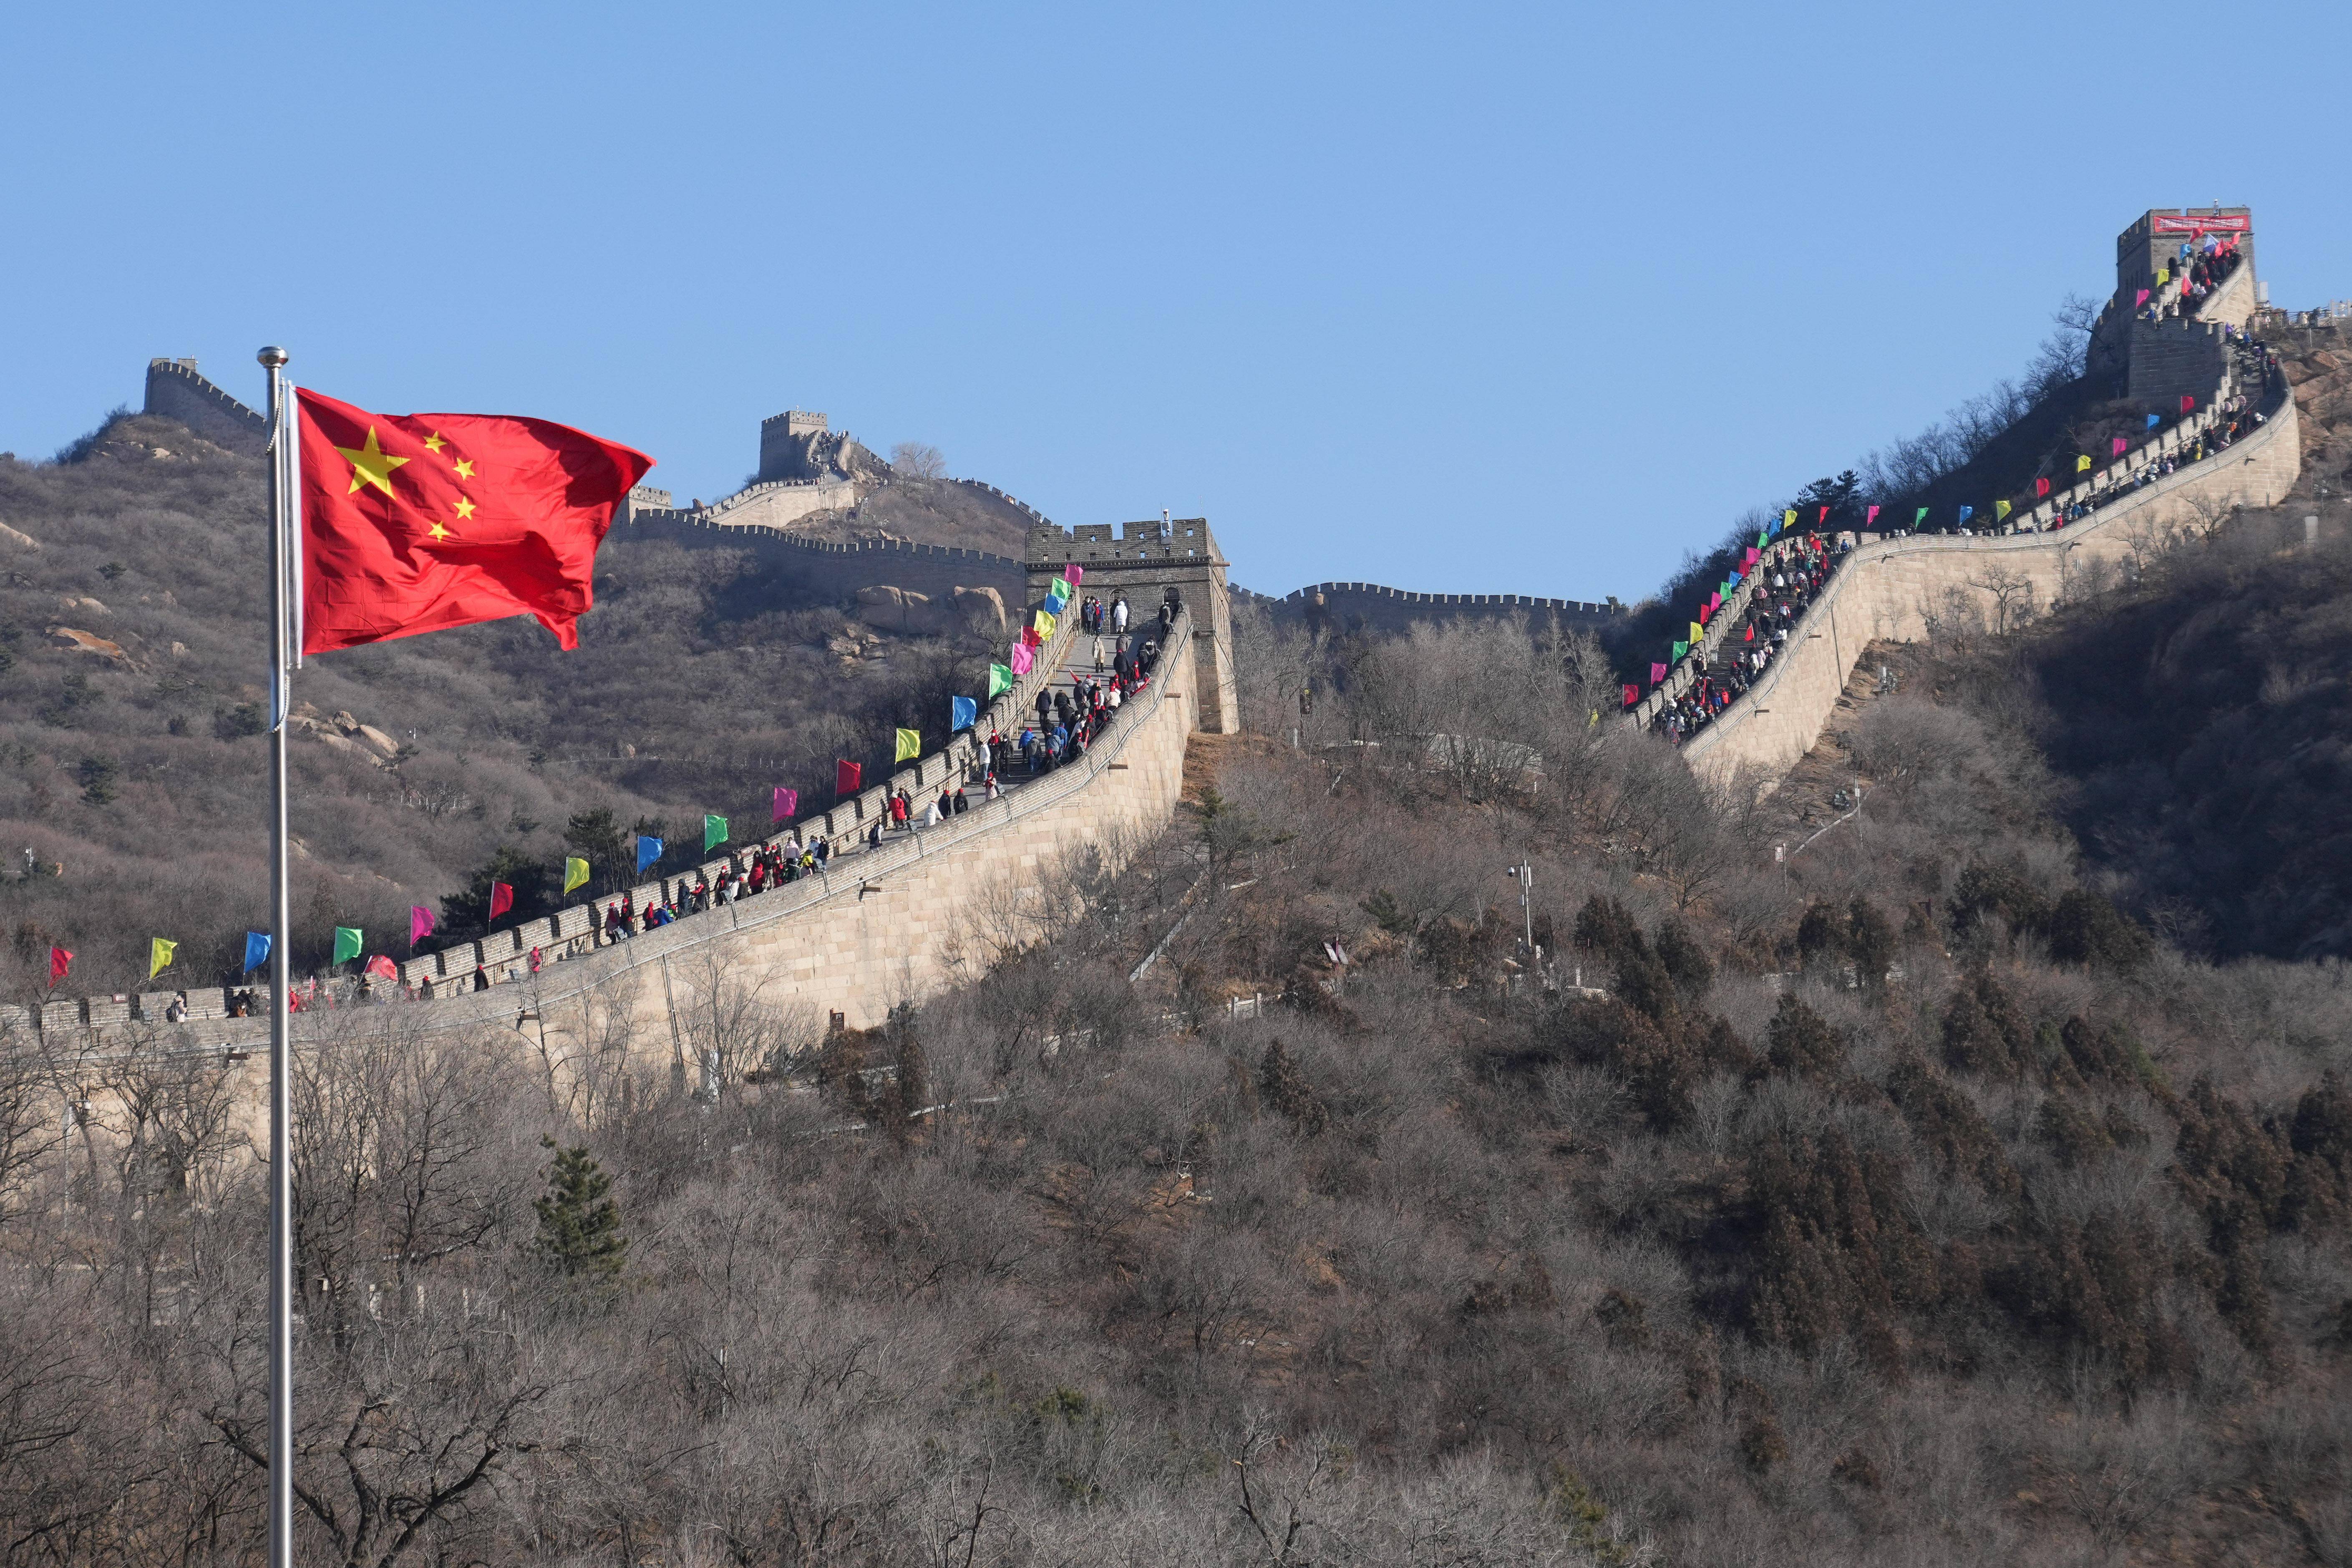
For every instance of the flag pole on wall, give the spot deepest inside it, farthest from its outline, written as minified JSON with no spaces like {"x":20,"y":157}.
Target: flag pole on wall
{"x":286,"y":657}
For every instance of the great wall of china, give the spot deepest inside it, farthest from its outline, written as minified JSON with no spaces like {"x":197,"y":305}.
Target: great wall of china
{"x":896,"y":924}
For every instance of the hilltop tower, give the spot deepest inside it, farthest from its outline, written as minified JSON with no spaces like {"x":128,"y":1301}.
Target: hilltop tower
{"x":1154,"y":562}
{"x":2160,"y":342}
{"x":798,"y":444}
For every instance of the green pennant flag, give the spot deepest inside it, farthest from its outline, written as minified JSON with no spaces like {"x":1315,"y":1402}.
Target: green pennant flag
{"x":1000,"y":680}
{"x":1921,"y":518}
{"x":347,"y":944}
{"x":575,"y":872}
{"x":1061,"y":589}
{"x":1760,"y":537}
{"x":714,"y":831}
{"x":1680,"y":649}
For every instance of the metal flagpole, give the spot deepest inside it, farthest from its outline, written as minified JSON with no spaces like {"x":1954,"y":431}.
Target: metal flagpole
{"x":285,"y":599}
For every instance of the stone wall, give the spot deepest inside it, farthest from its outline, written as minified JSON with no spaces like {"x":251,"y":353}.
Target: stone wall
{"x":1888,"y":588}
{"x":175,"y":391}
{"x":1150,"y":561}
{"x":840,"y":569}
{"x":1394,"y":609}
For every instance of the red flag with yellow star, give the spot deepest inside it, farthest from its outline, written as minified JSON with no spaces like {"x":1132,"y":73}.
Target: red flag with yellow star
{"x":418,"y":522}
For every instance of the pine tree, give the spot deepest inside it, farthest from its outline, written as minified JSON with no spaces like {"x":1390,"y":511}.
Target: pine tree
{"x":579,"y":1223}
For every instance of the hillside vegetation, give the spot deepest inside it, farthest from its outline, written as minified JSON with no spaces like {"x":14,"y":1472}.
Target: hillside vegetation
{"x":1897,"y":1202}
{"x":133,"y":765}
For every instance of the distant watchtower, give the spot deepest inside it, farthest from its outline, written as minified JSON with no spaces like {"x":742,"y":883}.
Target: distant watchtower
{"x":1154,"y":562}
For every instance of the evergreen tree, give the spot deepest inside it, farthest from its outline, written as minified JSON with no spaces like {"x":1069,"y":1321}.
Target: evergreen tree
{"x":579,"y":1223}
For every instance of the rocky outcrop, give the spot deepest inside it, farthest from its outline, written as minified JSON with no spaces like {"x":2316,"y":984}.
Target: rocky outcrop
{"x":91,"y":643}
{"x":981,"y":612}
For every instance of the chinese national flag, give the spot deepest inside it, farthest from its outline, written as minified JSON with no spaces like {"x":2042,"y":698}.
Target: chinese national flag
{"x":420,"y":521}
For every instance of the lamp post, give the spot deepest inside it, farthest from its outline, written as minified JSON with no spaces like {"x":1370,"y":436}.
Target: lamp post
{"x":1525,"y":876}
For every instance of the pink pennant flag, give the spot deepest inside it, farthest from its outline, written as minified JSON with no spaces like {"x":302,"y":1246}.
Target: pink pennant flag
{"x":1657,"y":673}
{"x":788,"y":801}
{"x":1074,"y":575}
{"x":2119,"y":445}
{"x":1024,"y":661}
{"x":2141,"y":300}
{"x":420,"y":923}
{"x":1870,"y":516}
{"x":1750,"y":558}
{"x":1715,"y":600}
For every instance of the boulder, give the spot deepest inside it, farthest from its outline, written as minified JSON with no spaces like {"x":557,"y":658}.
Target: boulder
{"x":86,"y":642}
{"x":13,"y":537}
{"x":981,"y":612}
{"x":346,"y":744}
{"x":379,"y":740}
{"x":902,"y":610}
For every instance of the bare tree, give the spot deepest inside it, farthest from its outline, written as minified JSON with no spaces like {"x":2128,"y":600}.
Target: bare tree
{"x":919,"y":460}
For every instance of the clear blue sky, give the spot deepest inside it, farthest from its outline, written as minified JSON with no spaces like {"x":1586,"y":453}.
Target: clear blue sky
{"x":1484,"y":299}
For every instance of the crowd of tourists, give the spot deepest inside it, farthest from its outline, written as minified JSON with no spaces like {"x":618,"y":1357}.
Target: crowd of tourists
{"x":1779,"y":592}
{"x":2202,"y":269}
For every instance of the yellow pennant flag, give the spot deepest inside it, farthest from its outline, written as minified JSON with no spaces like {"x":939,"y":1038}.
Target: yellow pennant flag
{"x":2163,"y":276}
{"x":2000,"y":508}
{"x":1788,"y":519}
{"x":1044,"y":624}
{"x":910,"y":745}
{"x":159,"y":956}
{"x":1698,"y":634}
{"x":575,"y":872}
{"x":2082,"y":464}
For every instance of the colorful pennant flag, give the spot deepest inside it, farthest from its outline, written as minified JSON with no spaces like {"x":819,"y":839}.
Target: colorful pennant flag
{"x":1054,"y":602}
{"x":1921,"y":518}
{"x":2141,"y":300}
{"x":714,"y":832}
{"x":257,"y":949}
{"x":2188,"y":403}
{"x":788,"y":801}
{"x":1024,"y":661}
{"x":1657,"y":673}
{"x":1749,"y":635}
{"x":1823,"y":517}
{"x":2041,"y":489}
{"x":649,"y":849}
{"x":2163,"y":276}
{"x":1000,"y":681}
{"x":1632,"y":695}
{"x":1044,"y":624}
{"x":1870,"y":516}
{"x":383,"y":968}
{"x":1788,"y":518}
{"x":910,"y":746}
{"x":1029,"y":636}
{"x":2001,"y":510}
{"x":60,"y":960}
{"x":2120,"y":445}
{"x":2154,"y":420}
{"x":575,"y":872}
{"x":1077,"y":575}
{"x":348,"y":943}
{"x":1679,"y":651}
{"x":1967,"y":512}
{"x":501,"y":899}
{"x":1753,"y":551}
{"x":846,"y":776}
{"x":159,"y":955}
{"x":2082,"y":464}
{"x":962,"y":713}
{"x":420,"y":924}
{"x":1060,"y":590}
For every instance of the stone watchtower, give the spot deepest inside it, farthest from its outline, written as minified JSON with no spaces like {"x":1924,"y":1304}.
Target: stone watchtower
{"x":1155,"y":561}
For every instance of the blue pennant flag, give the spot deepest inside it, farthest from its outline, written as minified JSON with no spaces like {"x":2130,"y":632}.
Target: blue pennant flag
{"x":1774,"y":530}
{"x":257,"y":949}
{"x":962,"y":713}
{"x":2154,"y":420}
{"x":648,"y":851}
{"x":1054,"y":602}
{"x":1967,"y":512}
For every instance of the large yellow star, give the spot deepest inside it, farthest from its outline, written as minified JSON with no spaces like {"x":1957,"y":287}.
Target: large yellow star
{"x":371,"y":465}
{"x":465,"y":469}
{"x":465,"y":508}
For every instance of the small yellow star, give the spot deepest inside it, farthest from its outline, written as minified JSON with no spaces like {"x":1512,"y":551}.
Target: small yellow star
{"x":438,"y":532}
{"x":465,"y":508}
{"x":371,"y":465}
{"x":434,"y":443}
{"x":465,"y":469}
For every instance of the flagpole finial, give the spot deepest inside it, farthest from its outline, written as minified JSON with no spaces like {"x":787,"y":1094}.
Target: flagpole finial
{"x":273,"y":356}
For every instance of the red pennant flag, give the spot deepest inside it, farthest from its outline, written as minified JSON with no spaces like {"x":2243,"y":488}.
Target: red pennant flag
{"x":1750,"y":635}
{"x":845,"y":776}
{"x":2188,"y":402}
{"x":59,"y":961}
{"x":383,"y":968}
{"x":501,"y":899}
{"x":2041,"y":489}
{"x":1825,"y":515}
{"x":420,"y":521}
{"x":1632,"y":695}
